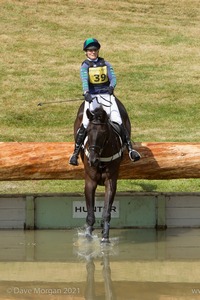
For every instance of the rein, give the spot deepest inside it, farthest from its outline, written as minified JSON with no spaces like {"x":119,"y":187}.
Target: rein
{"x":104,"y":99}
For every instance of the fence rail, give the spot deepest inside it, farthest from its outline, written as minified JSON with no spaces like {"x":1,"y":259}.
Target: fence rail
{"x":40,"y":161}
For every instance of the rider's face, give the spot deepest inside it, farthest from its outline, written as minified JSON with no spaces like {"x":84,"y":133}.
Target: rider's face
{"x":92,"y":53}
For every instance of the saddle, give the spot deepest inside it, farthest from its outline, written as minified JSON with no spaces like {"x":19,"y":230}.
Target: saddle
{"x":117,"y":128}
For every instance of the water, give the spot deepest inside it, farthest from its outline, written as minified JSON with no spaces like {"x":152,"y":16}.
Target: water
{"x":137,"y":264}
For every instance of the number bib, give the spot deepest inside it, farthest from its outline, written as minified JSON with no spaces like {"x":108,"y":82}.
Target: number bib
{"x":98,"y":75}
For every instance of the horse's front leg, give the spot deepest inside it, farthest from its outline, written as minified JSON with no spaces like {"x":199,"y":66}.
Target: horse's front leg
{"x":90,"y":188}
{"x":110,"y":191}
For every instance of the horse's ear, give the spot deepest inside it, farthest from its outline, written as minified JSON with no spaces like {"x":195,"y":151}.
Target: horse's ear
{"x":89,"y":114}
{"x":105,"y":115}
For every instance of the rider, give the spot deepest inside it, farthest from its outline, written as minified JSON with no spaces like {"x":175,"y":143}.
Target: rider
{"x":98,"y":81}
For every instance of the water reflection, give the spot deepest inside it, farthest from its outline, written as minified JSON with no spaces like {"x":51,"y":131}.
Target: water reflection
{"x":89,"y":251}
{"x":109,"y":292}
{"x":138,"y":264}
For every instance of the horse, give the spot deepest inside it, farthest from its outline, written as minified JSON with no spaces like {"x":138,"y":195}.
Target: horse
{"x":101,"y":155}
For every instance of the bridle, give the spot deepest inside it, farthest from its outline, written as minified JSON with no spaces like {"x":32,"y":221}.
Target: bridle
{"x":101,"y":148}
{"x":97,"y":148}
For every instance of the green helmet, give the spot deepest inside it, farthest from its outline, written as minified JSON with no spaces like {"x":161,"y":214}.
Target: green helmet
{"x":91,"y":44}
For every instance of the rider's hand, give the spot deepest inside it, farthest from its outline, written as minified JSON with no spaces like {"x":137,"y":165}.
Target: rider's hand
{"x":88,"y":97}
{"x":110,"y":90}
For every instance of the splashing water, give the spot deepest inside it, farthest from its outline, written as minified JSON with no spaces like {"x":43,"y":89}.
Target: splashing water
{"x":91,"y":249}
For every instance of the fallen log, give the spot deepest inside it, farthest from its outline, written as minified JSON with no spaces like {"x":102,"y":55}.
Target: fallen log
{"x":39,"y":161}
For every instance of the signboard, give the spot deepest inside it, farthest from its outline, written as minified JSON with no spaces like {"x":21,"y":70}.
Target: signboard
{"x":80,"y":210}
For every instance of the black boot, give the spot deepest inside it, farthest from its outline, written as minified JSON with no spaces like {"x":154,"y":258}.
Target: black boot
{"x":78,"y":143}
{"x":133,"y":154}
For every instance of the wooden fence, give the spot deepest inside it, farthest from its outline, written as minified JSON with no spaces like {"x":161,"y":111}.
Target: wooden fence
{"x":40,"y":161}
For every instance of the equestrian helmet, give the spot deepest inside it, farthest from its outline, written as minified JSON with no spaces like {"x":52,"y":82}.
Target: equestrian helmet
{"x":91,"y":44}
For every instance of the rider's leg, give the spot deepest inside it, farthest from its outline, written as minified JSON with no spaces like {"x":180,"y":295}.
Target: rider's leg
{"x":116,"y":117}
{"x":81,"y":133}
{"x":133,"y":154}
{"x":78,"y":144}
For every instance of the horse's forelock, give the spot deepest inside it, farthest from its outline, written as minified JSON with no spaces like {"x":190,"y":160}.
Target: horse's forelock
{"x":99,"y":114}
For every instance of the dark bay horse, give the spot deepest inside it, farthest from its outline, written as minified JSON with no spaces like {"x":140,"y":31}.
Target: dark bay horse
{"x":102,"y":155}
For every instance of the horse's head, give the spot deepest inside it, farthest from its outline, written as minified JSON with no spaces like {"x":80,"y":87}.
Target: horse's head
{"x":97,"y":132}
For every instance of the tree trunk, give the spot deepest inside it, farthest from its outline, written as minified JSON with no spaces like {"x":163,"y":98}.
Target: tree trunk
{"x":37,"y":161}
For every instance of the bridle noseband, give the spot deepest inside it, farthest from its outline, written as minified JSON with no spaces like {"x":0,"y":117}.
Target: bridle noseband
{"x":94,"y":147}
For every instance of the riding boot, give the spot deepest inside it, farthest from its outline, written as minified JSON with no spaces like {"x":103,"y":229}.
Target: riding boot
{"x":78,"y":144}
{"x":133,"y":154}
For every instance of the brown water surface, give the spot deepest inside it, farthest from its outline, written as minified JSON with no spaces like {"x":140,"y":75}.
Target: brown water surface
{"x":137,"y":265}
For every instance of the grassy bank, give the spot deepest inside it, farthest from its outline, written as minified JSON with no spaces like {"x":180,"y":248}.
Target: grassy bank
{"x":153,"y":46}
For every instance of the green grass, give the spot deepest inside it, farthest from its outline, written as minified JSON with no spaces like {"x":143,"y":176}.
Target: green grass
{"x":153,"y":46}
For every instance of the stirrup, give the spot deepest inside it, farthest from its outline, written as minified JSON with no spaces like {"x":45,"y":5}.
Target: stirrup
{"x":134,"y":155}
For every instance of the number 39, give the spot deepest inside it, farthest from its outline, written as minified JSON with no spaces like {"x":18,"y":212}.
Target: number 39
{"x":99,"y":78}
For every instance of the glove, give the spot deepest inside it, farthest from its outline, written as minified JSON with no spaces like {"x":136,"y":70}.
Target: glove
{"x":88,"y":97}
{"x":110,"y":90}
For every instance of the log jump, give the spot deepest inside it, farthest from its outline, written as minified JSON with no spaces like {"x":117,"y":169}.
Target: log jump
{"x":40,"y":161}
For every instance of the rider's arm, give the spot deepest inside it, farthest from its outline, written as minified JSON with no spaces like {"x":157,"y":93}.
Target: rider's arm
{"x":84,"y":77}
{"x":111,"y":75}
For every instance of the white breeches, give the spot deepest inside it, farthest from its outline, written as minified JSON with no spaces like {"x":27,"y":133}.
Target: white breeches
{"x":109,"y":105}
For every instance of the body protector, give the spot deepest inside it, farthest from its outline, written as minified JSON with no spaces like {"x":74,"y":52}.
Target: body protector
{"x":98,"y":79}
